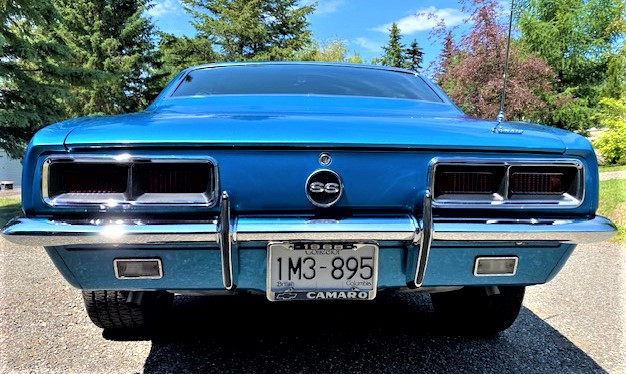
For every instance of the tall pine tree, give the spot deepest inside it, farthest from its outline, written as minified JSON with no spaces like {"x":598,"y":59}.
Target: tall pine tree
{"x":33,"y":75}
{"x":178,"y":53}
{"x":414,"y":57}
{"x":394,"y":50}
{"x":115,"y":38}
{"x":252,"y":29}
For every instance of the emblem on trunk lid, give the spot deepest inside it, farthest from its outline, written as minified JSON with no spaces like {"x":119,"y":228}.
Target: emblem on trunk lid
{"x":324,"y":188}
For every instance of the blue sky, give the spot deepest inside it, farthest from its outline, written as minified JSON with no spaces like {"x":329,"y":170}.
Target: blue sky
{"x":361,"y":23}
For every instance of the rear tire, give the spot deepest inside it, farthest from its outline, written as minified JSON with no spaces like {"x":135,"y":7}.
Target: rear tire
{"x":472,"y":311}
{"x":110,"y":310}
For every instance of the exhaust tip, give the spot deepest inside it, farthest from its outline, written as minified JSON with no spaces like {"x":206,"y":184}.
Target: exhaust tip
{"x":495,"y":266}
{"x":138,"y":268}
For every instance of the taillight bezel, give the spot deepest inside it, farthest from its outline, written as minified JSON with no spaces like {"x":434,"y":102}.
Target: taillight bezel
{"x":207,"y":198}
{"x":573,"y":197}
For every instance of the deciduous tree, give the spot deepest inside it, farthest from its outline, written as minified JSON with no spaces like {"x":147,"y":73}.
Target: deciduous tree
{"x":471,"y":72}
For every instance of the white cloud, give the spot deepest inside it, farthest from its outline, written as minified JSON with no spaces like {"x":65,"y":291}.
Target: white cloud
{"x":324,"y":6}
{"x":165,"y":7}
{"x":368,"y":44}
{"x":425,"y":19}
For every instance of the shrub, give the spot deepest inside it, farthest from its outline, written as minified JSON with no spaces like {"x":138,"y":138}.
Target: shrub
{"x":612,"y":142}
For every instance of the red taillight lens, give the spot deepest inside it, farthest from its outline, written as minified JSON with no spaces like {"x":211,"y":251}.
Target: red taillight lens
{"x":173,"y":177}
{"x":466,"y":182}
{"x":537,"y":183}
{"x":542,"y":180}
{"x":461,"y":179}
{"x":96,"y":178}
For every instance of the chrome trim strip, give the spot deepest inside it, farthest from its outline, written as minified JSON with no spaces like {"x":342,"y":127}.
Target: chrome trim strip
{"x":268,"y":229}
{"x":45,"y":232}
{"x":226,"y":243}
{"x":118,"y":276}
{"x":495,"y":258}
{"x":211,"y":197}
{"x":425,"y":241}
{"x":505,"y":202}
{"x":565,"y":230}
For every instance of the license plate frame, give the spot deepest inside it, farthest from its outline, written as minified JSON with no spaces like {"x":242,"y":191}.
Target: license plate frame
{"x":299,"y":292}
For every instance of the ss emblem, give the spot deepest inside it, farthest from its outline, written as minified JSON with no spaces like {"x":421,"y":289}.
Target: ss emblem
{"x":319,"y":187}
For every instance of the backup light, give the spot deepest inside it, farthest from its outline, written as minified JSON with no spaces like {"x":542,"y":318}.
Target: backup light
{"x":495,"y":266}
{"x":142,"y":268}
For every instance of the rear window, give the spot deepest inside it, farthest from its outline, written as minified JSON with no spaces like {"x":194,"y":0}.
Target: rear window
{"x":304,"y":80}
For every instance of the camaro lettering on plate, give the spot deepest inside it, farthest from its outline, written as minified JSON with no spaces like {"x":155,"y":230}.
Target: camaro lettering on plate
{"x":337,"y":295}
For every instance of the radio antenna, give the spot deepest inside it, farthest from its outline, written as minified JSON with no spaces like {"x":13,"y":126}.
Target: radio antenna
{"x":500,"y":117}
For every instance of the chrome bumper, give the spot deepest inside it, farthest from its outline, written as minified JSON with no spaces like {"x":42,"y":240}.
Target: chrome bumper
{"x":47,"y":232}
{"x":226,"y":232}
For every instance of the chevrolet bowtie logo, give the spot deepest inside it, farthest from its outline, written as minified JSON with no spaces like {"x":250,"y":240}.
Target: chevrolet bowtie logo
{"x":286,"y":296}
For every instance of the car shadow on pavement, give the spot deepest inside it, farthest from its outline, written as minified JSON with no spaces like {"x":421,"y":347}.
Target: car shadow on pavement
{"x":395,"y":333}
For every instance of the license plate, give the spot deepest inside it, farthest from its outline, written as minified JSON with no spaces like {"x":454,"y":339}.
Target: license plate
{"x":321,"y":270}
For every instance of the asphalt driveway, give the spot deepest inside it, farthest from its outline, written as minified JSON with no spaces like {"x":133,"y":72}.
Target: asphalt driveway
{"x":575,"y":324}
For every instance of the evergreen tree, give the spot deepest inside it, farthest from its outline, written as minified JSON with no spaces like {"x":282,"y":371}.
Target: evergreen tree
{"x":33,"y":75}
{"x":115,"y":38}
{"x":577,"y":38}
{"x":394,"y":50}
{"x":414,"y":57}
{"x":252,"y":29}
{"x":178,"y":53}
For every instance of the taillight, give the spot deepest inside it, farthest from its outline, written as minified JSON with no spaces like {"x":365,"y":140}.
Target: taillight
{"x":102,"y":181}
{"x":532,"y":183}
{"x":545,"y":180}
{"x":87,"y":178}
{"x":173,"y":177}
{"x":461,"y":179}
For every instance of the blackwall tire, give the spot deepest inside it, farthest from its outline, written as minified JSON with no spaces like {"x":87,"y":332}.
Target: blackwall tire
{"x":110,"y":310}
{"x":474,"y":311}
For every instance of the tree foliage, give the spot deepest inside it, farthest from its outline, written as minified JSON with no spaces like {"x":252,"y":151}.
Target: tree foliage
{"x":335,"y":50}
{"x":577,"y":39}
{"x":178,"y":53}
{"x":34,"y":74}
{"x":413,"y":57}
{"x":612,"y":142}
{"x":114,"y":38}
{"x":394,"y":50}
{"x":471,"y":72}
{"x":252,"y":29}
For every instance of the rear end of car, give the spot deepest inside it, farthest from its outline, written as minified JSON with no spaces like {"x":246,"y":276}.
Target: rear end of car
{"x":302,"y":207}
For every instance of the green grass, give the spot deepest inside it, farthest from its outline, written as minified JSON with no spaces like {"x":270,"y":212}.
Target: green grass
{"x":612,"y":168}
{"x":613,"y":205}
{"x":9,"y":208}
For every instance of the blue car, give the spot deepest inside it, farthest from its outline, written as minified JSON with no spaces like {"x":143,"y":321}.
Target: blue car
{"x":307,"y":181}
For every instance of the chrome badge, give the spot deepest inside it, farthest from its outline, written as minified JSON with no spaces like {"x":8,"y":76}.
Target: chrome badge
{"x":324,"y":188}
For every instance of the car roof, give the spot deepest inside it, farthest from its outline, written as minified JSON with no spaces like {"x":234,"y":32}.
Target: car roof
{"x":303,"y":63}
